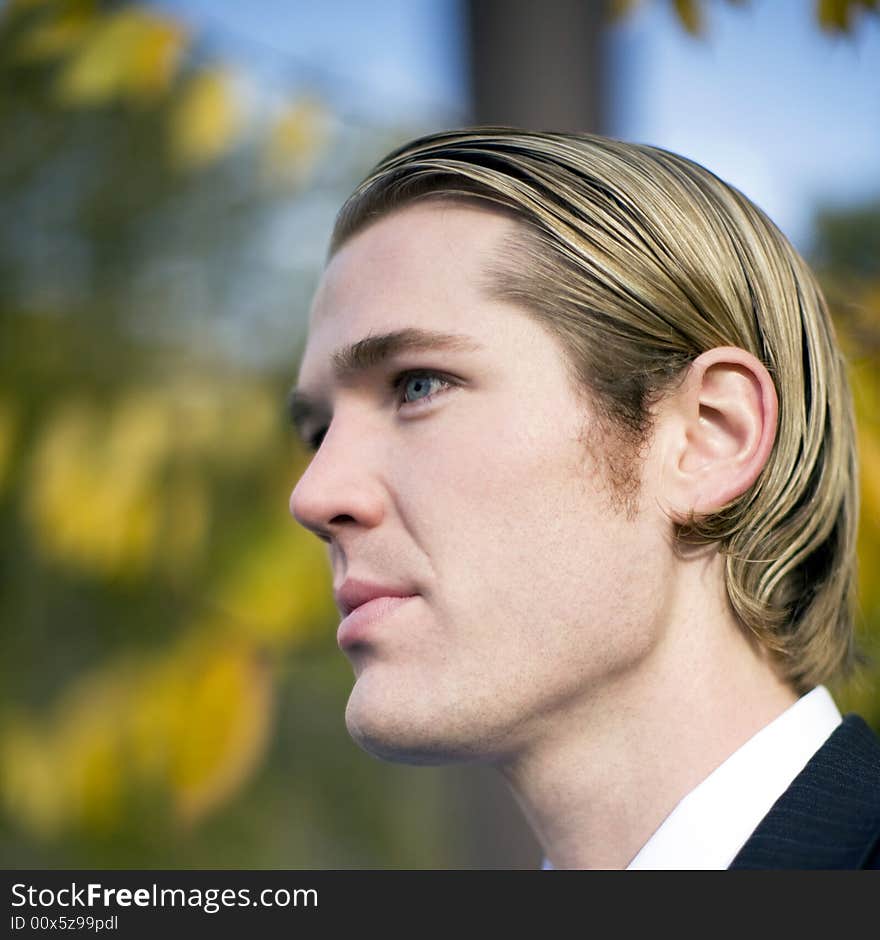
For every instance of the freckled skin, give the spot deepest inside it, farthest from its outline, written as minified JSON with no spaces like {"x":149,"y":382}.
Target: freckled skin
{"x":537,"y":593}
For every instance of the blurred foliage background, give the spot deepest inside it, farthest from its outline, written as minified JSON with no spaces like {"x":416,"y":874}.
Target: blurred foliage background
{"x":171,"y":692}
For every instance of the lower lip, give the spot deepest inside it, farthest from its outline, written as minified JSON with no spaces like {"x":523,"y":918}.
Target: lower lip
{"x":355,"y":626}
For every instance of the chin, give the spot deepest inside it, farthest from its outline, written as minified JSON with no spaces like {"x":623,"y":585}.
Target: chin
{"x":403,"y":733}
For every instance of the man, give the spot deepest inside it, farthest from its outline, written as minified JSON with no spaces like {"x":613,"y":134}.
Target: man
{"x":585,"y":467}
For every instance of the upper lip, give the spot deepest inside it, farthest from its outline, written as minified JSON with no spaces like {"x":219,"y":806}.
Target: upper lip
{"x":353,"y":592}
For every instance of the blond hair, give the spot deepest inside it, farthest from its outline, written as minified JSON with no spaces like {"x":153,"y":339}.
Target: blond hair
{"x":638,"y":260}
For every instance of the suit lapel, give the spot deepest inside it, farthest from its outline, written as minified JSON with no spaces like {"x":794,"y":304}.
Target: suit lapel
{"x":830,"y":815}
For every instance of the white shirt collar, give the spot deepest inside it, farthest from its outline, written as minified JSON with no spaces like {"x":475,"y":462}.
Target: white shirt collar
{"x":709,"y":826}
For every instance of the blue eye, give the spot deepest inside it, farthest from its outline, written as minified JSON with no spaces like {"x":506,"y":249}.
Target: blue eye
{"x":419,"y":381}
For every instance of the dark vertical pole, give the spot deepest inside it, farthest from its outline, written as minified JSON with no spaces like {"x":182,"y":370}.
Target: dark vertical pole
{"x":537,"y":64}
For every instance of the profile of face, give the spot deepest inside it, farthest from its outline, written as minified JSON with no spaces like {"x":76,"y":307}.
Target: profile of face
{"x":459,"y":472}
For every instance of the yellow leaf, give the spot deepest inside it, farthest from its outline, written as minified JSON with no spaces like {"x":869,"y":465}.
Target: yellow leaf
{"x":155,"y":60}
{"x":249,"y":416}
{"x":294,"y":142}
{"x":690,"y":15}
{"x":92,"y":500}
{"x":619,"y":9}
{"x":57,"y":477}
{"x":833,"y":15}
{"x":138,"y":434}
{"x":869,"y":458}
{"x":190,"y":725}
{"x":88,"y":744}
{"x":204,"y":121}
{"x":187,"y":514}
{"x":867,"y":397}
{"x":155,"y":699}
{"x":96,"y":73}
{"x":131,"y":52}
{"x":31,"y":785}
{"x":8,"y":433}
{"x":222,"y":728}
{"x":67,"y":771}
{"x":866,"y":391}
{"x":869,"y":570}
{"x":837,"y":15}
{"x":279,"y":589}
{"x":58,"y":33}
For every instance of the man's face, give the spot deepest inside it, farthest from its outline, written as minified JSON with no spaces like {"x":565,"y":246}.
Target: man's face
{"x":534,"y":594}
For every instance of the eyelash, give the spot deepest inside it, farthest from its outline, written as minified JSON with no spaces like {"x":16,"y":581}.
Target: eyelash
{"x":397,"y":382}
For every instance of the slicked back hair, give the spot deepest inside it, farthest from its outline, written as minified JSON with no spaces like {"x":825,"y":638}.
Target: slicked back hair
{"x":639,"y":260}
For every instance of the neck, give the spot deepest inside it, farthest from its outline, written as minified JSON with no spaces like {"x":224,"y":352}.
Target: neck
{"x":598,"y":780}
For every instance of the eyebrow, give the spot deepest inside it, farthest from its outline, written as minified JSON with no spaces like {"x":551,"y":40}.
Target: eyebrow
{"x":367,"y":353}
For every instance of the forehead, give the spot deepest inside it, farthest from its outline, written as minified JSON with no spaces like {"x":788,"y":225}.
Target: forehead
{"x":422,"y":266}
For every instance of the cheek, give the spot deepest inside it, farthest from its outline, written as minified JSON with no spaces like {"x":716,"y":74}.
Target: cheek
{"x":527,"y":553}
{"x":471,"y":489}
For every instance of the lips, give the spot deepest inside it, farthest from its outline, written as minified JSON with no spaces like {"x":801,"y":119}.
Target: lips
{"x":354,"y":592}
{"x":365,"y":625}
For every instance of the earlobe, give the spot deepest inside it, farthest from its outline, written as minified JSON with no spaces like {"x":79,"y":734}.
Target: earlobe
{"x":722,"y":423}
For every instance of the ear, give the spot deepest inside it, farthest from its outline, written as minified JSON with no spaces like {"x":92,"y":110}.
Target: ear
{"x":718,"y":431}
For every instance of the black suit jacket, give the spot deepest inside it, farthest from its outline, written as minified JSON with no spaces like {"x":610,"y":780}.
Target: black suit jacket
{"x":830,"y":815}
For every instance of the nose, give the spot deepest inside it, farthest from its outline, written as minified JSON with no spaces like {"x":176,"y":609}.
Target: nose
{"x":340,"y":487}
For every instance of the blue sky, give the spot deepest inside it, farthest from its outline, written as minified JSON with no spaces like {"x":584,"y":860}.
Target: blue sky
{"x":765,"y":99}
